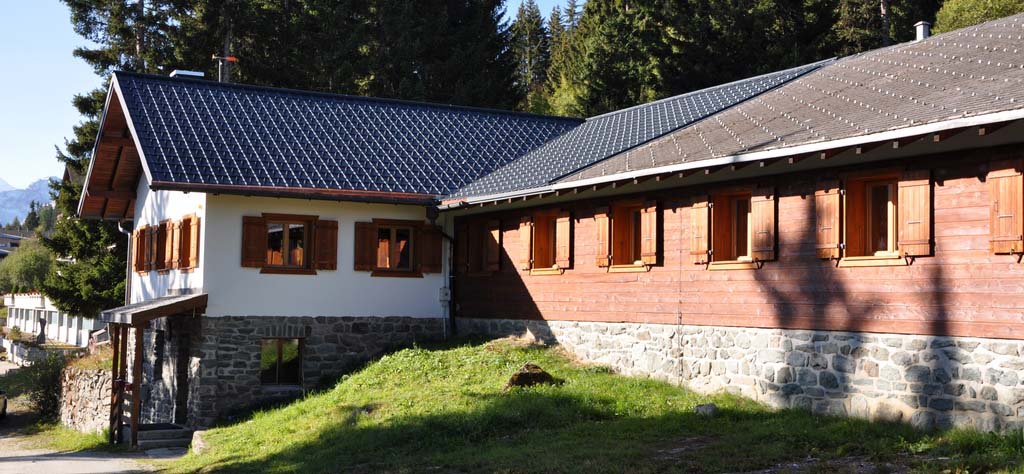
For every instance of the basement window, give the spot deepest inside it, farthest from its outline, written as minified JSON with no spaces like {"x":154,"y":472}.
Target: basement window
{"x":281,"y":361}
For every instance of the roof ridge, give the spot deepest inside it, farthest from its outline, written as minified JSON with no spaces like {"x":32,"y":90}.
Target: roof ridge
{"x":287,"y":90}
{"x":711,"y":88}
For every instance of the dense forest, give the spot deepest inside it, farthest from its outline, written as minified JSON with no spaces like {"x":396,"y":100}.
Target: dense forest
{"x":581,"y":59}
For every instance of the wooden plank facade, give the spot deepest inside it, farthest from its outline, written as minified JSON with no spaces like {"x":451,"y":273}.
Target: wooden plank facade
{"x":954,"y":278}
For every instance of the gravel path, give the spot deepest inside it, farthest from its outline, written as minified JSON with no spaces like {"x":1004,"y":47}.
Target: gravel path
{"x":16,"y":457}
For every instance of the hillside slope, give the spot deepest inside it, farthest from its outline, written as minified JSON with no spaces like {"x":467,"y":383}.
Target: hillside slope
{"x":443,"y":410}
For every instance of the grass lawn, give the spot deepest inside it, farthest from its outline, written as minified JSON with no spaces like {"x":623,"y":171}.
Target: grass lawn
{"x":442,"y":410}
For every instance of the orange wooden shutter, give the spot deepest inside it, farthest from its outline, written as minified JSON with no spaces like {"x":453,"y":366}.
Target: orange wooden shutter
{"x":254,"y":241}
{"x":649,"y":233}
{"x":563,"y":240}
{"x":173,"y":251}
{"x":853,"y":218}
{"x":326,"y":245}
{"x":762,"y":216}
{"x":431,"y":249}
{"x":603,"y":225}
{"x":700,"y":216}
{"x":826,"y":219}
{"x":914,"y":232}
{"x":1006,"y":191}
{"x":493,"y":245}
{"x":139,"y":245}
{"x":193,"y":242}
{"x":184,"y":242}
{"x":526,"y":243}
{"x":365,"y":244}
{"x":461,"y":248}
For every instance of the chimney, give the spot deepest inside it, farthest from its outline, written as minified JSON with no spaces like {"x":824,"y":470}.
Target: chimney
{"x":924,"y":30}
{"x":187,"y":74}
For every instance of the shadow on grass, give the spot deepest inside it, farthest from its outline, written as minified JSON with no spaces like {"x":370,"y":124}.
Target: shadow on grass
{"x":595,"y":422}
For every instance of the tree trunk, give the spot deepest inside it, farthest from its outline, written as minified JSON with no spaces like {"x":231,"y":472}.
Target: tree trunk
{"x":886,"y":38}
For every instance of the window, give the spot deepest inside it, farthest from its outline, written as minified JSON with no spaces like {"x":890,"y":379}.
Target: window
{"x":874,"y":219}
{"x":731,"y":228}
{"x":281,"y":361}
{"x":289,"y":244}
{"x":169,"y":245}
{"x":479,"y":244}
{"x":734,"y":229}
{"x":545,"y":240}
{"x":394,"y":248}
{"x":627,"y":235}
{"x":402,"y":248}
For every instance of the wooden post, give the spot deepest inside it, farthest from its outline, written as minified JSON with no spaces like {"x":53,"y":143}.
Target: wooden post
{"x":115,"y":343}
{"x":137,"y":386}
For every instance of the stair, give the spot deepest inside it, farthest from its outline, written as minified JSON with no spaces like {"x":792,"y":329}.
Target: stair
{"x":162,"y":435}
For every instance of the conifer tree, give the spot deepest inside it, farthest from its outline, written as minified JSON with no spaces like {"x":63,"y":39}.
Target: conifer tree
{"x":531,"y":48}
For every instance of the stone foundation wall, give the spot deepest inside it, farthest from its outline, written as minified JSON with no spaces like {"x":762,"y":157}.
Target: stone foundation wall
{"x":929,"y":382}
{"x":85,"y":399}
{"x":226,"y":362}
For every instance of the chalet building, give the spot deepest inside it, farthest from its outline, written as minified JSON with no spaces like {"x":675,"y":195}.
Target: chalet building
{"x":844,"y":236}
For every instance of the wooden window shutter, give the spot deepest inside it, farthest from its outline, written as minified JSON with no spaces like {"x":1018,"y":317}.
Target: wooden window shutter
{"x":700,"y":217}
{"x":827,"y":219}
{"x":431,"y":249}
{"x":365,"y":243}
{"x":563,"y":240}
{"x":326,"y":235}
{"x":603,"y":225}
{"x":461,"y":248}
{"x":493,"y":247}
{"x":184,"y":242}
{"x":171,"y":252}
{"x":526,"y":243}
{"x":193,"y":242}
{"x":151,"y":241}
{"x":762,"y":216}
{"x":1006,"y":191}
{"x":649,"y":233}
{"x":254,"y":241}
{"x":139,"y":244}
{"x":914,"y":198}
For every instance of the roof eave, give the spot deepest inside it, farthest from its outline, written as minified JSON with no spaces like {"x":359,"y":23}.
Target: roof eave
{"x":321,"y":194}
{"x":923,"y":129}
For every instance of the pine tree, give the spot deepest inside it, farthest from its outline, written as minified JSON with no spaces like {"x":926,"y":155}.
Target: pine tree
{"x":572,"y":14}
{"x":32,"y":218}
{"x":956,"y":14}
{"x":531,"y":48}
{"x":556,"y":26}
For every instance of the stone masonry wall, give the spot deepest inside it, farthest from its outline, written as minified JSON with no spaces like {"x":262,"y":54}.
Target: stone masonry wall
{"x":85,"y":399}
{"x":929,"y":382}
{"x":227,"y":364}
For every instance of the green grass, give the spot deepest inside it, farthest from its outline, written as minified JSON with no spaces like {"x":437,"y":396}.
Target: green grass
{"x":442,"y":410}
{"x":60,"y":438}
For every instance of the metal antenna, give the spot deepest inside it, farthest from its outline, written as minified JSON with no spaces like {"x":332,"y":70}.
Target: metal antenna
{"x":221,"y":62}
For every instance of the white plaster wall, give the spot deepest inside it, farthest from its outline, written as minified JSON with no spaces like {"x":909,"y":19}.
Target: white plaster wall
{"x":151,"y":207}
{"x":237,"y":291}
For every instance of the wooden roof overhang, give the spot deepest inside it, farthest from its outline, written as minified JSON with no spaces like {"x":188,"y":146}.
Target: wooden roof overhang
{"x":137,"y":314}
{"x":109,"y":190}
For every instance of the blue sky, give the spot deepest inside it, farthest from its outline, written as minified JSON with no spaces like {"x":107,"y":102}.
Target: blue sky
{"x":40,"y":77}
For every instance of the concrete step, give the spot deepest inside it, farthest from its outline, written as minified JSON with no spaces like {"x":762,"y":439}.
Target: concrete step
{"x":147,"y":444}
{"x":165,"y":434}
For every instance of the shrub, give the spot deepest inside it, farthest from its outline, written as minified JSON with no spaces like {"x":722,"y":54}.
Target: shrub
{"x":44,"y":384}
{"x":15,"y":333}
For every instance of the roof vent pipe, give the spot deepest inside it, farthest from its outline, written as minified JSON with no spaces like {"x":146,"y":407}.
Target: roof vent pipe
{"x":187,"y":74}
{"x":924,"y":30}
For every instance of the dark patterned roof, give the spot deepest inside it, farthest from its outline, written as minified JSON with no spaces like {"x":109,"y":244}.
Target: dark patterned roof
{"x":207,"y":133}
{"x":607,"y":135}
{"x":964,"y":73}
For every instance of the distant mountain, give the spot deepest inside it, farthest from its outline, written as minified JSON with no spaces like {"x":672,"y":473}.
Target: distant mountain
{"x":15,"y":202}
{"x":4,"y":186}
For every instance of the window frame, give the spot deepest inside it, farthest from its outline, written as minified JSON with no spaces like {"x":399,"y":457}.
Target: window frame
{"x":309,"y":223}
{"x":413,"y":226}
{"x":625,"y":217}
{"x":301,"y":342}
{"x":857,"y":220}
